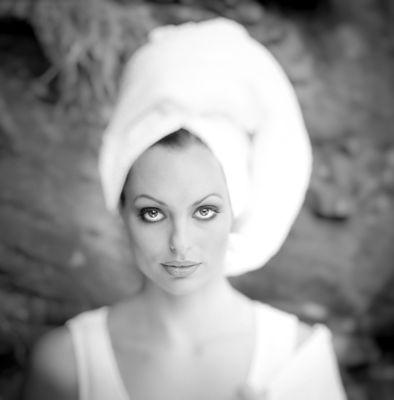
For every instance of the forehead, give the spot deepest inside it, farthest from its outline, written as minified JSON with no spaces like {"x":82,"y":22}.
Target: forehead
{"x":173,"y":174}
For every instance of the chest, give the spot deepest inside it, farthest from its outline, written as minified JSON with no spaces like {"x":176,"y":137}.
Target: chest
{"x":214,"y":370}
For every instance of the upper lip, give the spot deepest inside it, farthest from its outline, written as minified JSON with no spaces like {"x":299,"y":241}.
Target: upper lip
{"x":179,"y":263}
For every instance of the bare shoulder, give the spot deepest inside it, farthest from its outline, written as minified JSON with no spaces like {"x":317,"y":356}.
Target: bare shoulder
{"x":52,"y":372}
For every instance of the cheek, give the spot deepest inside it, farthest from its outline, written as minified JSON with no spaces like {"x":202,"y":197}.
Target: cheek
{"x":214,"y":240}
{"x":146,"y":241}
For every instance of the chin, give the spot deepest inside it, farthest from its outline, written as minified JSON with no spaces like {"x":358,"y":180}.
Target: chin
{"x":181,"y":287}
{"x":184,"y":286}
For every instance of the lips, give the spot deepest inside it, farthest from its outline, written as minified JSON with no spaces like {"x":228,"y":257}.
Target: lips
{"x":180,"y":264}
{"x":180,"y":269}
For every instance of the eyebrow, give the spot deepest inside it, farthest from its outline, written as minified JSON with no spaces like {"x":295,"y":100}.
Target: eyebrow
{"x":146,"y":196}
{"x":205,"y":197}
{"x":164,"y":204}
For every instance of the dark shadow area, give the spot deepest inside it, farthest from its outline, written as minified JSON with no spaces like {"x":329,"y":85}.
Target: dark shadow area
{"x":23,"y":57}
{"x":298,"y":7}
{"x":20,"y":50}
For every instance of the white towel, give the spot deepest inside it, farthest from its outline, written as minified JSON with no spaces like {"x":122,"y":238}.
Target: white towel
{"x":214,"y":80}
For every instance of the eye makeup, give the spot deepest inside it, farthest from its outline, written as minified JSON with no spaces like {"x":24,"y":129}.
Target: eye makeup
{"x":154,"y":214}
{"x":150,"y":214}
{"x":206,"y":212}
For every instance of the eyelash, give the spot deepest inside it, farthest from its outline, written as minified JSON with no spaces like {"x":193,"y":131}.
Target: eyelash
{"x":145,"y":210}
{"x":214,"y":209}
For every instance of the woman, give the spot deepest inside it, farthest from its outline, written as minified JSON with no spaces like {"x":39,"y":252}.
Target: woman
{"x":206,"y":160}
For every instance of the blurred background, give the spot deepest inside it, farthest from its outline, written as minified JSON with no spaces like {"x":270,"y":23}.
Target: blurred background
{"x":62,"y":253}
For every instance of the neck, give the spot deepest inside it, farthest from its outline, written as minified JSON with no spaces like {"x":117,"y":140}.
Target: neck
{"x":193,"y":314}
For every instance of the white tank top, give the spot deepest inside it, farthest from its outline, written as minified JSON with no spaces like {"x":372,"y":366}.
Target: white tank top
{"x":277,"y":367}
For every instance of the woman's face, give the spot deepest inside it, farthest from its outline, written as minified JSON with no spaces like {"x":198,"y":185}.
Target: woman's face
{"x":178,"y":216}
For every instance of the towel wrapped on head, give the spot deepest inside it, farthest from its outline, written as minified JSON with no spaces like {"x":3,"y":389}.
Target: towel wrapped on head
{"x":212,"y":79}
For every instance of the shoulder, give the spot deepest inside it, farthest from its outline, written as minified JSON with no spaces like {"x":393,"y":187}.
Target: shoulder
{"x":52,"y":372}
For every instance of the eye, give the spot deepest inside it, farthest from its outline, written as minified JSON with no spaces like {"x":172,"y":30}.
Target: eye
{"x":151,"y":214}
{"x":206,"y":212}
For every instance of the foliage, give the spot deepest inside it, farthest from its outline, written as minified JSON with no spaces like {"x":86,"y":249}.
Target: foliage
{"x":86,"y":42}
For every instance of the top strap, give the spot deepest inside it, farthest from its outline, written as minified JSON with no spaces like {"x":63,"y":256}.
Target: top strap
{"x":97,"y":369}
{"x":276,"y":335}
{"x":311,"y":373}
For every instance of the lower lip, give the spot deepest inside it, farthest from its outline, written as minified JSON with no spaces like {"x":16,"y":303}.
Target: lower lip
{"x":180,"y":272}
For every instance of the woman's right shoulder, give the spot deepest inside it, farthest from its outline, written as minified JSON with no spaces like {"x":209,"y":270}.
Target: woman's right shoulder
{"x":52,"y":371}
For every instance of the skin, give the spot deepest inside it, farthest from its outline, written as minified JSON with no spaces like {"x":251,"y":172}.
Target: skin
{"x":167,"y":219}
{"x":194,"y":221}
{"x":177,"y":208}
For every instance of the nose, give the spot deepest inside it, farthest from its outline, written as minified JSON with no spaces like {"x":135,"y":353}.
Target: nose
{"x":179,"y":242}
